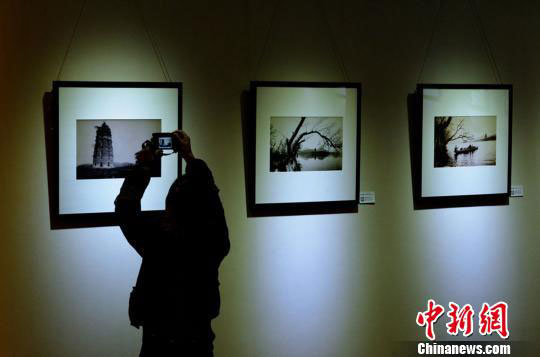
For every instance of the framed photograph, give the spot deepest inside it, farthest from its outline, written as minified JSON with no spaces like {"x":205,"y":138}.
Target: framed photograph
{"x":305,"y":143}
{"x":95,"y":128}
{"x":465,"y":134}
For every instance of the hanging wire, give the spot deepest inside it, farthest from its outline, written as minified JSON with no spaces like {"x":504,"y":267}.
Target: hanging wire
{"x":485,"y":42}
{"x":434,"y":28}
{"x":71,"y":40}
{"x":335,"y":48}
{"x":154,"y":44}
{"x":267,"y":38}
{"x":333,"y":42}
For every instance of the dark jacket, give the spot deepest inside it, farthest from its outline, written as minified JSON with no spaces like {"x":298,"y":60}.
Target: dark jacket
{"x":181,"y":251}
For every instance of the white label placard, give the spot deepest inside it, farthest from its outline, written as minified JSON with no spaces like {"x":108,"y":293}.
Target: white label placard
{"x":367,"y":198}
{"x":516,"y":191}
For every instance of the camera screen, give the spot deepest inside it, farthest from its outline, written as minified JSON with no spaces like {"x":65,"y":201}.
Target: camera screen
{"x":165,"y":142}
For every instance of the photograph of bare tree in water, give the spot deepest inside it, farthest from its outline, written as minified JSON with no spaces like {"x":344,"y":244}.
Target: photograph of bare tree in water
{"x":306,"y":149}
{"x":465,"y":141}
{"x":306,"y":143}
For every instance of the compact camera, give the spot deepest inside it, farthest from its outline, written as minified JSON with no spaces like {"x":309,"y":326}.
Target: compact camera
{"x":162,"y":141}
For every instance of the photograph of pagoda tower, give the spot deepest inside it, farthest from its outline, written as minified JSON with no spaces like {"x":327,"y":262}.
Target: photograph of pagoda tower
{"x":103,"y":150}
{"x":106,"y":148}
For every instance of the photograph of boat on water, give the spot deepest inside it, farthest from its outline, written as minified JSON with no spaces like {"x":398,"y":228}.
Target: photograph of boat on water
{"x":463,"y":147}
{"x":465,"y":141}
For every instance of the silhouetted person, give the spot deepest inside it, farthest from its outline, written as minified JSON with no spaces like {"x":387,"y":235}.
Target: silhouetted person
{"x":176,"y":295}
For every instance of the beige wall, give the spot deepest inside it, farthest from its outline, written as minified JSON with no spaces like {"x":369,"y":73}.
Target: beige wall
{"x":332,"y":285}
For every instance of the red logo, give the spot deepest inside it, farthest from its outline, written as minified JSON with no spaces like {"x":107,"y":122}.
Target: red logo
{"x":492,"y":318}
{"x":429,"y":317}
{"x":460,"y":320}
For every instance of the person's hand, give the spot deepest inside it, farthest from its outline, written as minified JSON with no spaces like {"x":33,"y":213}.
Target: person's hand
{"x":147,"y":155}
{"x":182,"y":144}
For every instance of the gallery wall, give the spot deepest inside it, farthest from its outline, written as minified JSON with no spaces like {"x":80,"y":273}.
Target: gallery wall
{"x":328,"y":285}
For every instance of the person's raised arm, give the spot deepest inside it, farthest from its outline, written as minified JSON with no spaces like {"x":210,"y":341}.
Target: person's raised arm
{"x":128,"y":202}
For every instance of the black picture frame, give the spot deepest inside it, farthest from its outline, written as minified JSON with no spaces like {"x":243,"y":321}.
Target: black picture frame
{"x":297,"y":208}
{"x":418,"y":136}
{"x":51,"y":124}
